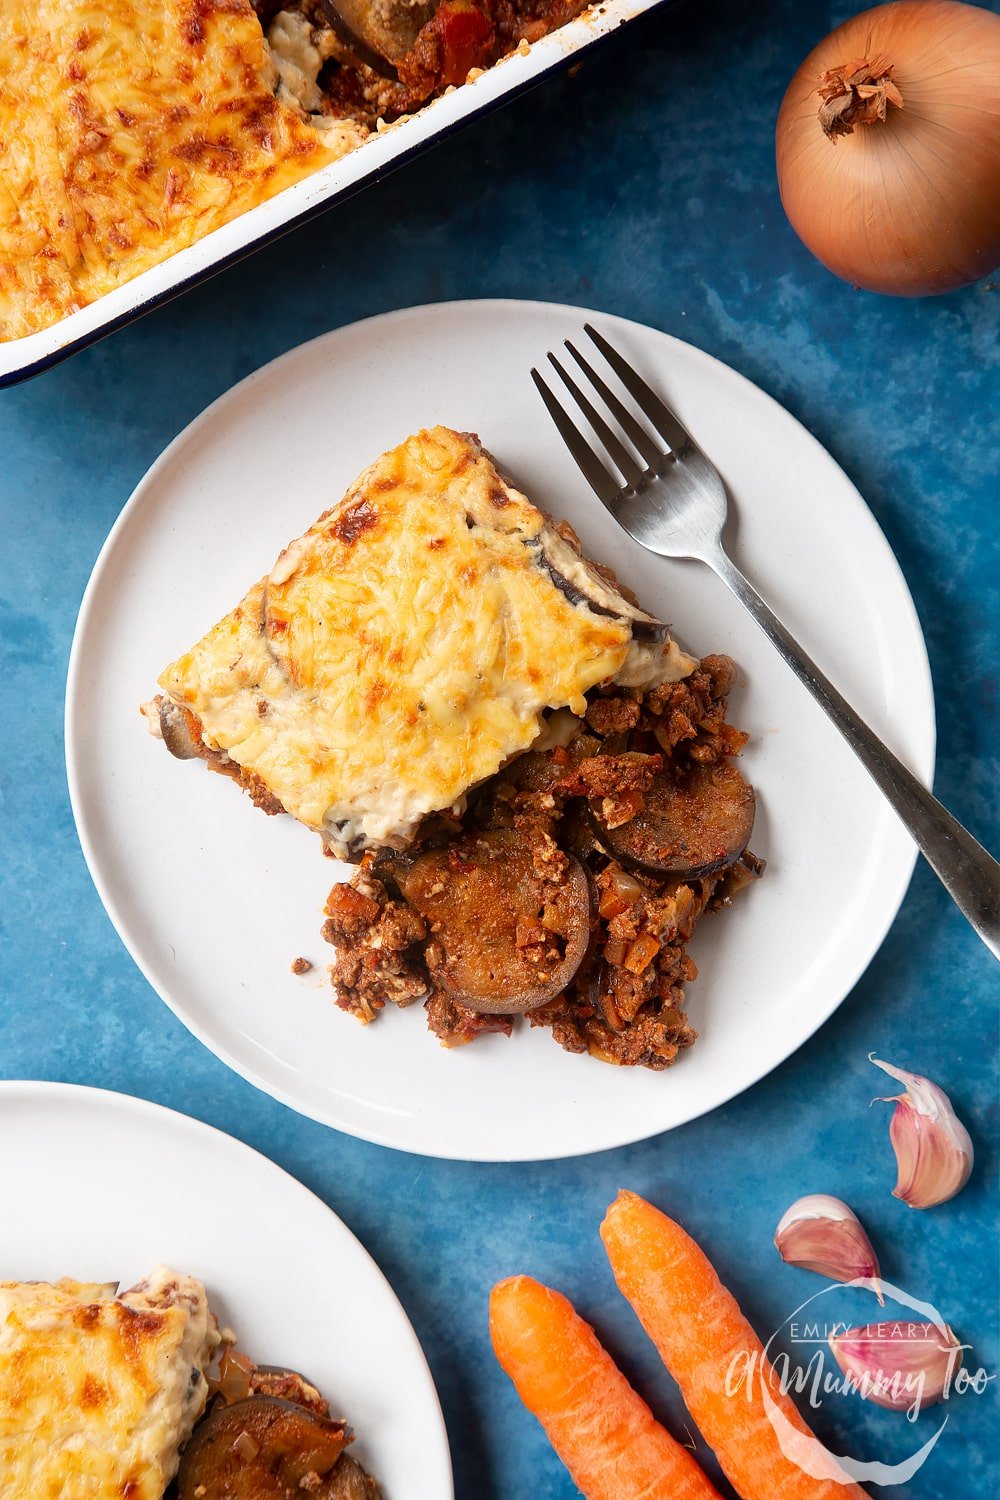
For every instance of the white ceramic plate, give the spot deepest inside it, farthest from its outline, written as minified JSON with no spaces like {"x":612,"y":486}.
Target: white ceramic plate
{"x":214,"y":901}
{"x":279,"y":1266}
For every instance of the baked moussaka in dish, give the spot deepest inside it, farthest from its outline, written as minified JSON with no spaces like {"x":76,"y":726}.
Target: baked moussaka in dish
{"x":535,"y":780}
{"x":108,"y":1395}
{"x":129,"y":129}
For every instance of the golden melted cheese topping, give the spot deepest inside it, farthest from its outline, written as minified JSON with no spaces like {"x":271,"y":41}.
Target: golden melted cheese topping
{"x":129,"y":129}
{"x":99,"y":1392}
{"x":405,"y":647}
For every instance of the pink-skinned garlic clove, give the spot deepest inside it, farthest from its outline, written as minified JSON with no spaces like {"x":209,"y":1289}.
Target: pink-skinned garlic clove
{"x":899,"y":1365}
{"x":934,"y":1153}
{"x":821,"y":1233}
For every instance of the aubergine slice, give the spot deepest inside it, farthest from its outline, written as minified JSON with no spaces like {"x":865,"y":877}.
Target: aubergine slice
{"x":694,"y":821}
{"x":178,"y":729}
{"x":747,"y":869}
{"x":583,"y":583}
{"x":288,"y":1385}
{"x":378,"y":34}
{"x":504,"y":940}
{"x":260,"y":1448}
{"x":347,"y":1482}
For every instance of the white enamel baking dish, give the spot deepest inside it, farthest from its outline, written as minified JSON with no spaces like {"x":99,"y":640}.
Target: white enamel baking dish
{"x":20,"y":358}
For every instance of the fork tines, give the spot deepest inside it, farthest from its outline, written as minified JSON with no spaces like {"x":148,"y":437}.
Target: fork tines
{"x":660,"y":417}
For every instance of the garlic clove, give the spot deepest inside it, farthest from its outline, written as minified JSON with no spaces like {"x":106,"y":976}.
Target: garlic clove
{"x":933,"y":1151}
{"x":822,"y":1234}
{"x":901,"y":1366}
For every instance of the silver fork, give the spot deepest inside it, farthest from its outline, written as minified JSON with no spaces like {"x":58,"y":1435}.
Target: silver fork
{"x":672,"y":499}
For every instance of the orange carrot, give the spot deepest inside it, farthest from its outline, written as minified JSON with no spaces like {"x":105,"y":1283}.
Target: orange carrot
{"x":716,"y":1358}
{"x":602,"y":1430}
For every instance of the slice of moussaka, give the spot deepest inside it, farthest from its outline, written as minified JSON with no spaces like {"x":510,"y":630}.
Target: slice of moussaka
{"x":100,"y":1390}
{"x":421,"y":634}
{"x":128,"y":130}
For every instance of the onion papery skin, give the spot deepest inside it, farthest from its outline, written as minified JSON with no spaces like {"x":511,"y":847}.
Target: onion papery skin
{"x":908,"y":205}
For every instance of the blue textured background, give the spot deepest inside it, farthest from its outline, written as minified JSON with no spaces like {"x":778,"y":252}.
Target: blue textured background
{"x":644,"y":186}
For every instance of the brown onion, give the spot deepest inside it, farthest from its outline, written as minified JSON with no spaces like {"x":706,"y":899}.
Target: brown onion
{"x":888,"y":147}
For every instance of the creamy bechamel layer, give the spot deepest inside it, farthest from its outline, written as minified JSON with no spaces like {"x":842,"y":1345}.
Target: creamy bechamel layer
{"x":98,"y":1391}
{"x":409,"y":644}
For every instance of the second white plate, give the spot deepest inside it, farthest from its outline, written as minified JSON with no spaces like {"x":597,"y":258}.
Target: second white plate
{"x":101,"y":1187}
{"x":214,"y":901}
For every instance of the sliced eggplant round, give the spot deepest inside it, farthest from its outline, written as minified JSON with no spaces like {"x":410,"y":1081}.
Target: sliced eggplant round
{"x":504,"y":939}
{"x":288,"y":1385}
{"x":378,"y":34}
{"x":747,"y":869}
{"x":178,"y":728}
{"x":260,"y":1448}
{"x":348,"y":1482}
{"x":694,"y":821}
{"x":578,"y":578}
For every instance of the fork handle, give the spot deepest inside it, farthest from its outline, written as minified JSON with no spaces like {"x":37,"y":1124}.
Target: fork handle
{"x":968,"y":873}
